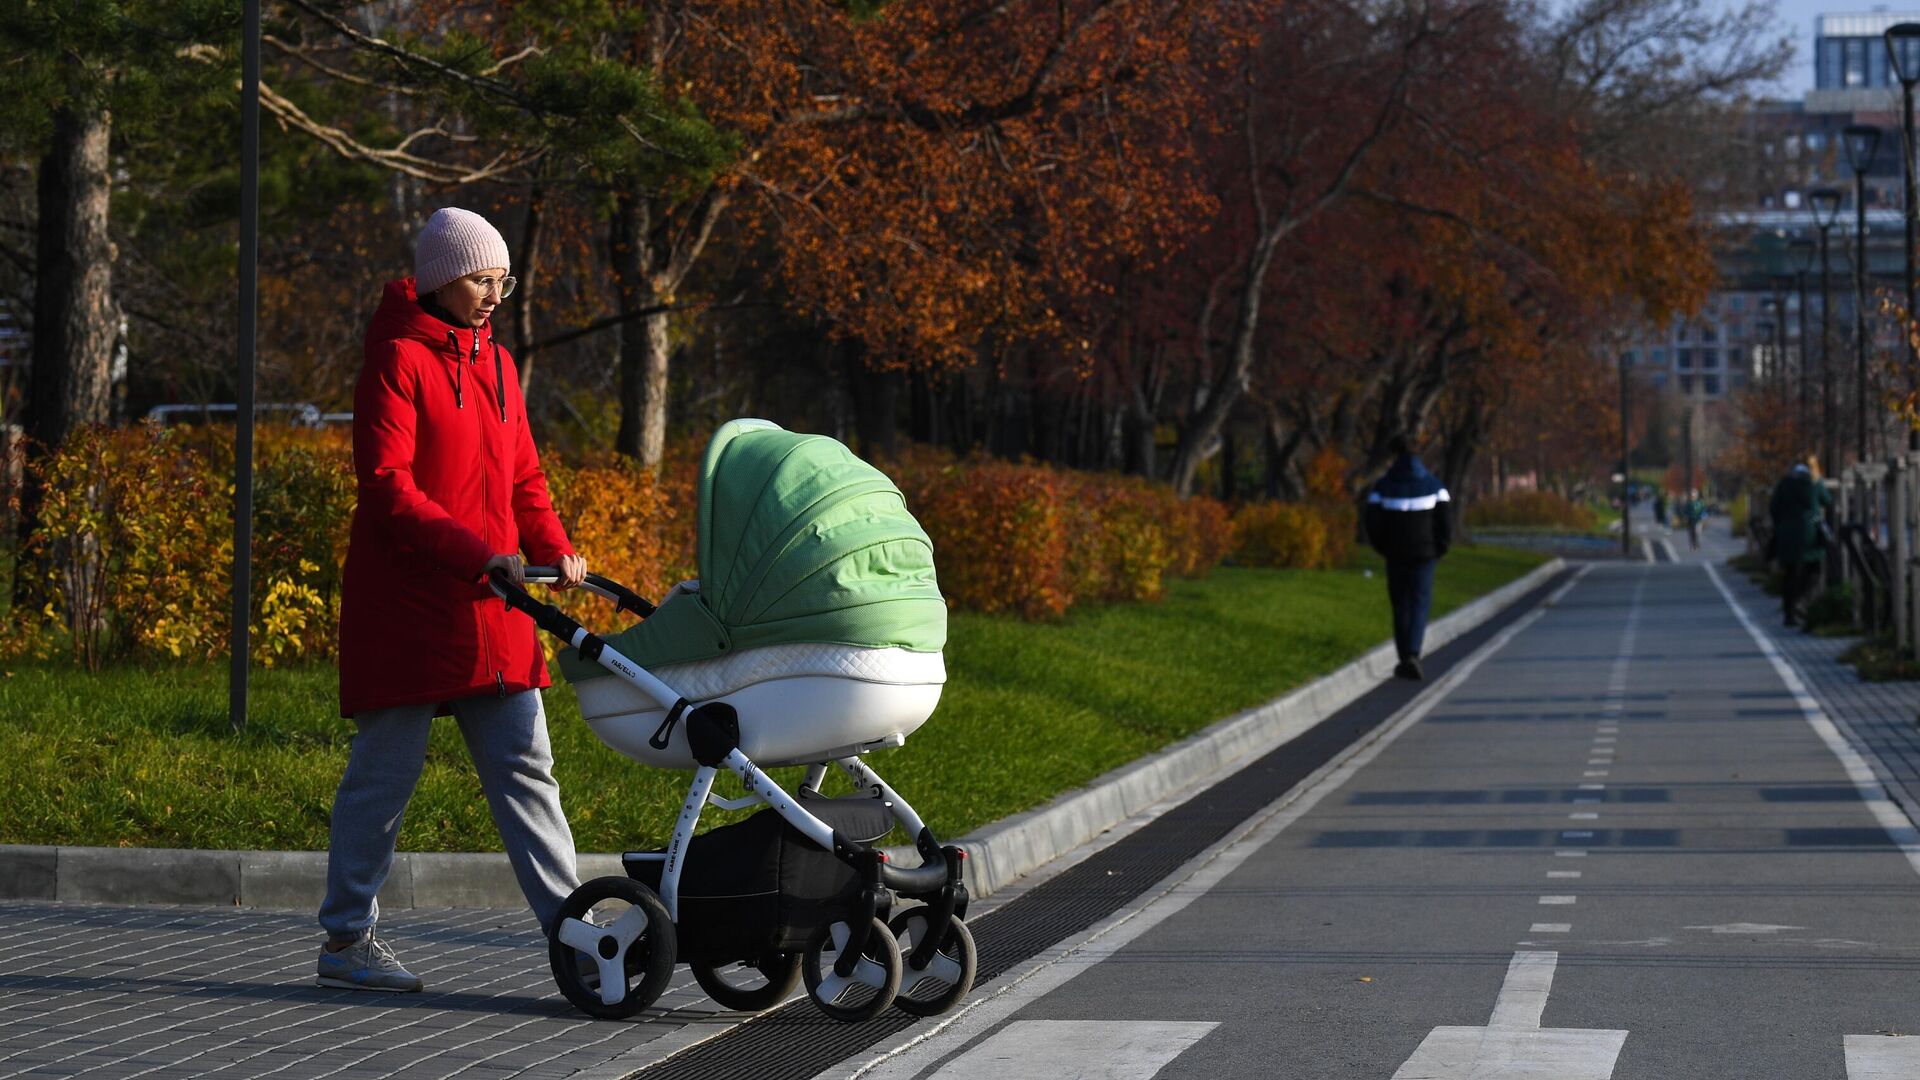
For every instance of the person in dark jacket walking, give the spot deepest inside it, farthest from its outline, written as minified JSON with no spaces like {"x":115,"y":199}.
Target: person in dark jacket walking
{"x":450,"y":489}
{"x":1410,"y":523}
{"x":1798,"y":506}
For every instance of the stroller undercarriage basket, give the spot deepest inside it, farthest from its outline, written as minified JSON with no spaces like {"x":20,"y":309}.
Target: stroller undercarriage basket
{"x":758,"y":887}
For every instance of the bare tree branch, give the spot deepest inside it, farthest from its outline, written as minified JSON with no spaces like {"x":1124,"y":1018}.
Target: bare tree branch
{"x":397,"y":158}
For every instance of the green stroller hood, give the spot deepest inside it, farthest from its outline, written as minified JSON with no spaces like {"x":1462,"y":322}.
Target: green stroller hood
{"x":799,"y":541}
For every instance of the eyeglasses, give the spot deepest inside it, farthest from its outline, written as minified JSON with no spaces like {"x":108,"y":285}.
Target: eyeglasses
{"x":504,"y":286}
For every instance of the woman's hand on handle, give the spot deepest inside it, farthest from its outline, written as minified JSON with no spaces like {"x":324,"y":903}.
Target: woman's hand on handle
{"x":514,"y":565}
{"x":573,"y":571}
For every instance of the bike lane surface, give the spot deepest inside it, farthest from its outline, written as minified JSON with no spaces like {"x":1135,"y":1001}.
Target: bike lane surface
{"x":1613,"y":845}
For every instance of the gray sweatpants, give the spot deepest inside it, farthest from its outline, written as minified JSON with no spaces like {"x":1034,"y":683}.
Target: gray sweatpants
{"x":507,"y":738}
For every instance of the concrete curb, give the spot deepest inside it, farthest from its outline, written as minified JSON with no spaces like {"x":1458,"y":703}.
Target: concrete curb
{"x":996,"y":854}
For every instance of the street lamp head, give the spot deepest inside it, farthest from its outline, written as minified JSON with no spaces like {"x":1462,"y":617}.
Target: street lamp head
{"x":1825,"y":203}
{"x":1863,"y":141}
{"x":1903,"y":52}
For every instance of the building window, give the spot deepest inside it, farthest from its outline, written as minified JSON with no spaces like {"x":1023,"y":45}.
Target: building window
{"x":1659,"y":358}
{"x":1660,"y":379}
{"x":1792,"y":200}
{"x":1686,"y":384}
{"x":1708,"y":334}
{"x":1710,"y":358}
{"x":1817,"y":140}
{"x":1686,"y":360}
{"x":1736,"y":303}
{"x":1628,"y":358}
{"x":1710,"y":384}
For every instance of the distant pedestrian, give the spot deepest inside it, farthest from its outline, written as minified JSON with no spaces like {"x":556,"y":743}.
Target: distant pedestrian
{"x":1696,"y":515}
{"x":450,"y":489}
{"x":1798,"y":508}
{"x":1410,"y":523}
{"x":1660,"y":508}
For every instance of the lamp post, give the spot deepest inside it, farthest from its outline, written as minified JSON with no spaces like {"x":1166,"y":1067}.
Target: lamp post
{"x":1782,"y":283}
{"x":1903,"y":57}
{"x":1825,"y":203}
{"x":1626,"y":464}
{"x":1806,"y":250}
{"x":1863,"y":141}
{"x":1775,"y":330}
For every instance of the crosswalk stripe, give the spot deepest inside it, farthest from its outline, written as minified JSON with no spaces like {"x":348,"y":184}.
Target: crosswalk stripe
{"x":1077,"y":1049}
{"x":1883,"y":1057}
{"x":1513,"y":1045}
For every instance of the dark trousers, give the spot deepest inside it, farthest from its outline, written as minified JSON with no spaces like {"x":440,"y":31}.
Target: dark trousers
{"x":1798,"y":576}
{"x":1410,"y":587}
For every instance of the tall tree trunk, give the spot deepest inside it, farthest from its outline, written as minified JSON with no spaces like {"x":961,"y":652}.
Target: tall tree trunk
{"x":529,"y":279}
{"x":645,"y":347}
{"x":74,"y":321}
{"x":1199,"y":436}
{"x":645,"y":351}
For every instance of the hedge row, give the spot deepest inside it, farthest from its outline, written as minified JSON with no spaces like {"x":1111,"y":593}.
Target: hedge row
{"x":133,"y":547}
{"x":1530,"y":509}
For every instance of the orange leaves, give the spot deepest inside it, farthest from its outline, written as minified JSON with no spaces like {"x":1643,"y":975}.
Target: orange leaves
{"x":938,"y":175}
{"x":1034,"y":540}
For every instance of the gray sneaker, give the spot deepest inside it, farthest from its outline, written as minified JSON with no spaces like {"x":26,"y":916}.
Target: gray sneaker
{"x":366,"y":964}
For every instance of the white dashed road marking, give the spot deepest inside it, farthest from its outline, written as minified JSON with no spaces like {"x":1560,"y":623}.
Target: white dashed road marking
{"x":1513,"y":1045}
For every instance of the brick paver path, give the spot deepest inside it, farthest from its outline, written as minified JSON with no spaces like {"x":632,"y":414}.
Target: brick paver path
{"x":162,"y":992}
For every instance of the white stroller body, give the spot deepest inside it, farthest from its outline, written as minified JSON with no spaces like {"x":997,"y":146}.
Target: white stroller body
{"x":814,"y":638}
{"x":820,"y":702}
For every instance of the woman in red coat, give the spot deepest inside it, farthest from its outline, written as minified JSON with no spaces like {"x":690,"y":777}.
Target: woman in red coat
{"x":449,"y":489}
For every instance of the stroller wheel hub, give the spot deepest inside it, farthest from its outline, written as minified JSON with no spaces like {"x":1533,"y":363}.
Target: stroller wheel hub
{"x":609,"y":947}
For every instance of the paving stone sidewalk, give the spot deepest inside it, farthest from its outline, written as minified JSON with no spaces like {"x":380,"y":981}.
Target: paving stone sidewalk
{"x":111,"y":992}
{"x":1881,"y":717}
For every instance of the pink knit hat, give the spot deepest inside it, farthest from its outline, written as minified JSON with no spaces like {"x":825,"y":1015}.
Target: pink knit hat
{"x":456,"y":243}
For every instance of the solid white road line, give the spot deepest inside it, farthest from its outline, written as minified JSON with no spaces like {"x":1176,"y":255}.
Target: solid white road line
{"x":1883,"y":1057}
{"x":1550,"y":928}
{"x":1558,"y":899}
{"x":1563,"y":873}
{"x":1899,"y":830}
{"x":1513,"y":1045}
{"x":1084,"y":1049}
{"x":1523,"y":997}
{"x":1054,"y":966}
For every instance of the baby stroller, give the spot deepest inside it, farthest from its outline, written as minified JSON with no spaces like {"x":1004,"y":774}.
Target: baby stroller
{"x":812,"y":637}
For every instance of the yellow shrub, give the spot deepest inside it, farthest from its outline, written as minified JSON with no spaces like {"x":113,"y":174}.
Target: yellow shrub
{"x":1297,"y":535}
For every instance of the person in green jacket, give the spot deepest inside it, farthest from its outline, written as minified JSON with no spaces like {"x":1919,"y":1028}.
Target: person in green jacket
{"x":1798,"y":507}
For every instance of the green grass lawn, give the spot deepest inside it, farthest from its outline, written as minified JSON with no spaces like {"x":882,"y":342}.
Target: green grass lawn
{"x":142,"y":757}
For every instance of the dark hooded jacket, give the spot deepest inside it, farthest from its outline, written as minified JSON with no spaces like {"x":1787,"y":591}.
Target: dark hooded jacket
{"x":447,"y":478}
{"x":1798,"y":504}
{"x":1409,"y":515}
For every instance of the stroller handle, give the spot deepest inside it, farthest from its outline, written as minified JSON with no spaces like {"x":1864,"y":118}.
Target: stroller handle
{"x":624,"y":599}
{"x":552,"y":619}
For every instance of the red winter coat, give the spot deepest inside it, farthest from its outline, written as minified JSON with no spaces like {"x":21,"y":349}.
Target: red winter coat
{"x":448,"y":478}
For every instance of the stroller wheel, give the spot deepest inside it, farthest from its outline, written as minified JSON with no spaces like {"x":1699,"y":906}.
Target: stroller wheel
{"x":932,"y":990}
{"x":866,"y":992}
{"x":754,"y":986}
{"x":612,"y":947}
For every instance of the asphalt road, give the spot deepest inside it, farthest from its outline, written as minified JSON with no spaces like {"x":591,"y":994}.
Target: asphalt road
{"x":1619,"y":845}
